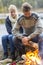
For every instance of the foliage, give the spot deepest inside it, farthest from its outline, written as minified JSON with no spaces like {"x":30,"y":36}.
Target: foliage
{"x":4,"y":4}
{"x":18,"y":3}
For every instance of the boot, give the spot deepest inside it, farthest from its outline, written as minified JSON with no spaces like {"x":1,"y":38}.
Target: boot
{"x":5,"y":56}
{"x":13,"y":56}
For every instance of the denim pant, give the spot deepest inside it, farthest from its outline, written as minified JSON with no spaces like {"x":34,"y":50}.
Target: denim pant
{"x":7,"y":40}
{"x":21,"y":47}
{"x":40,"y":43}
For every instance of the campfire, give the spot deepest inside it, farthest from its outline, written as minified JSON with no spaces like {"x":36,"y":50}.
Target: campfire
{"x":31,"y":58}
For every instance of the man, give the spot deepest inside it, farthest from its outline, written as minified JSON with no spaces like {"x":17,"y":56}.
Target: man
{"x":31,"y":25}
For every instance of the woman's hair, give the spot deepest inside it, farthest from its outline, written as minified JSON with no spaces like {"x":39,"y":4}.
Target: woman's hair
{"x":12,"y":7}
{"x":26,"y":7}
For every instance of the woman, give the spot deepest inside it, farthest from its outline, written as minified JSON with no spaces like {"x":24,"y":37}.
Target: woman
{"x":7,"y":39}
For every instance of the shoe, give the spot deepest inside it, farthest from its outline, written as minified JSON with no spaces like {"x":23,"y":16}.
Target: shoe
{"x":6,"y":60}
{"x":13,"y":56}
{"x":5,"y":56}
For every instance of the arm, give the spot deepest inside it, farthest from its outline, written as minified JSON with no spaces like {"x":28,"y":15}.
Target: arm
{"x":8,"y":26}
{"x":15,"y":29}
{"x":18,"y":29}
{"x":38,"y":29}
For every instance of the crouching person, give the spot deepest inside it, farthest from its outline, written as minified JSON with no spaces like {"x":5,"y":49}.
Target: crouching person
{"x":32,"y":28}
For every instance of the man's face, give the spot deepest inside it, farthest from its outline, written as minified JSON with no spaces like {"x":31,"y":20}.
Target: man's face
{"x":13,"y":13}
{"x":27,"y":14}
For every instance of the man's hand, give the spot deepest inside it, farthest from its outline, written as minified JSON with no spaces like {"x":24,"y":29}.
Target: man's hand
{"x":25,"y":40}
{"x":33,"y":44}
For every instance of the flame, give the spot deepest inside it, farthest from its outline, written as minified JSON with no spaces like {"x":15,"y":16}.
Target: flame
{"x":32,"y":58}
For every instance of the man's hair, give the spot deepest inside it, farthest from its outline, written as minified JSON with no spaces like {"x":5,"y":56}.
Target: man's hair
{"x":26,"y":7}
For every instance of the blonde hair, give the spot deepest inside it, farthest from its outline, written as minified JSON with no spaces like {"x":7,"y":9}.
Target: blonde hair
{"x":12,"y":7}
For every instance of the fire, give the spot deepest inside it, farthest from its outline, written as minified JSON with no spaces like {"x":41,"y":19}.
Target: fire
{"x":32,"y":58}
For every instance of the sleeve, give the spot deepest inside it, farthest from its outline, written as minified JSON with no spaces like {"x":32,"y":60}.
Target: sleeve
{"x":8,"y":26}
{"x":15,"y":29}
{"x":39,"y":26}
{"x":38,"y":29}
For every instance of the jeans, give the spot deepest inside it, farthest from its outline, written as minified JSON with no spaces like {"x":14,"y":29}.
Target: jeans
{"x":7,"y":39}
{"x":12,"y":47}
{"x":40,"y":43}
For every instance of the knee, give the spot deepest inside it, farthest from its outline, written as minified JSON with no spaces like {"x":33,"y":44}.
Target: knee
{"x":41,"y":37}
{"x":4,"y":40}
{"x":14,"y":38}
{"x":4,"y":37}
{"x":10,"y":37}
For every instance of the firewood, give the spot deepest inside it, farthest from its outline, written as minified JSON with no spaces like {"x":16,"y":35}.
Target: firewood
{"x":24,"y":57}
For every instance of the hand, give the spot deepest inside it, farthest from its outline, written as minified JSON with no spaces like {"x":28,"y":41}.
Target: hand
{"x":35,"y":45}
{"x":25,"y":40}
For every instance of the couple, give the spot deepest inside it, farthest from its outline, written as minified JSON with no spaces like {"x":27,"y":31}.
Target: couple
{"x":27,"y":27}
